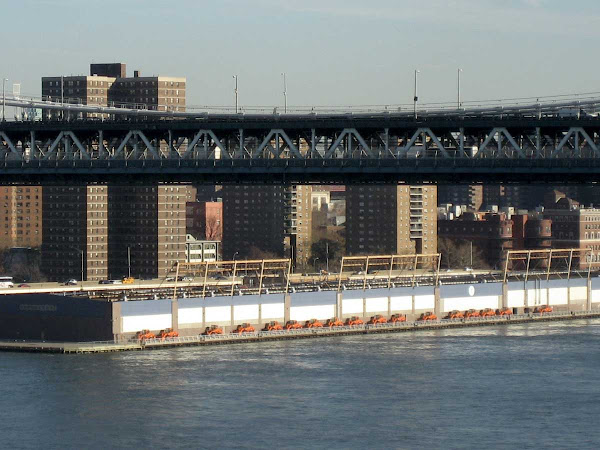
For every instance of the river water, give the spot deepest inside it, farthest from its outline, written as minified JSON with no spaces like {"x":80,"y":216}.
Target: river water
{"x":519,"y":386}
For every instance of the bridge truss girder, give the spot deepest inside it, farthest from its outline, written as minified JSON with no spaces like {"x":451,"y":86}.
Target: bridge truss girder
{"x":299,"y":144}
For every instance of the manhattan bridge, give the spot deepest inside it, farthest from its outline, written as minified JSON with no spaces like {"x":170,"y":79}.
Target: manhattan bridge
{"x":555,"y":141}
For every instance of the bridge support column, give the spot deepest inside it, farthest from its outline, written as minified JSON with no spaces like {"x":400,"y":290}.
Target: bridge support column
{"x":117,"y":321}
{"x":339,"y":298}
{"x":175,"y":315}
{"x":588,"y":303}
{"x":287,"y":304}
{"x":438,"y":304}
{"x":504,"y":299}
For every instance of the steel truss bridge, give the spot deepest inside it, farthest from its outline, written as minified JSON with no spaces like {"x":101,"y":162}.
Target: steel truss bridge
{"x":557,"y":142}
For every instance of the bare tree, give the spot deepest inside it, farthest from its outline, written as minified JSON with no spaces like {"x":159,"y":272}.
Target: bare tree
{"x":213,"y":229}
{"x":457,"y":254}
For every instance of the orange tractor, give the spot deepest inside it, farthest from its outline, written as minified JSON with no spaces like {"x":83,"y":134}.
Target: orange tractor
{"x":292,"y":325}
{"x":397,"y":318}
{"x":487,"y":312}
{"x":273,"y":326}
{"x":472,"y":313}
{"x":504,"y":312}
{"x":354,"y":320}
{"x":335,"y":322}
{"x":428,"y":316}
{"x":213,"y":329}
{"x":313,"y":323}
{"x":455,"y":315}
{"x":244,"y":328}
{"x":144,"y":334}
{"x":544,"y":309}
{"x":167,"y":333}
{"x":377,"y":319}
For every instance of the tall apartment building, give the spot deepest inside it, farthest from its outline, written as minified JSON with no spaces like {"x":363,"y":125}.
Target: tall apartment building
{"x":298,"y":223}
{"x":110,"y":231}
{"x":470,"y":195}
{"x":75,"y":232}
{"x":20,"y":216}
{"x":108,"y":85}
{"x":146,"y":229}
{"x":575,"y":226}
{"x":253,"y":218}
{"x":391,"y":219}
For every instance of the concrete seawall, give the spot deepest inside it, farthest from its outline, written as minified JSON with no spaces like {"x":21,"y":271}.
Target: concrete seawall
{"x":195,"y":341}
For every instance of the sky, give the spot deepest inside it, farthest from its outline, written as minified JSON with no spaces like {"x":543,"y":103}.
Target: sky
{"x":334,"y":52}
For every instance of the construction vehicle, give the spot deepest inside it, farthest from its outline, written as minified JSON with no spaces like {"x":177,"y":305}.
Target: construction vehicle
{"x":292,"y":325}
{"x":313,"y":323}
{"x":273,"y":326}
{"x":128,"y":280}
{"x":472,"y":313}
{"x":543,"y":309}
{"x":377,"y":319}
{"x":397,"y":318}
{"x":335,"y":322}
{"x":244,"y":328}
{"x":354,"y":320}
{"x":487,"y":312}
{"x":428,"y":316}
{"x":455,"y":315}
{"x":504,"y":312}
{"x":213,"y":329}
{"x":144,"y":335}
{"x":167,"y":333}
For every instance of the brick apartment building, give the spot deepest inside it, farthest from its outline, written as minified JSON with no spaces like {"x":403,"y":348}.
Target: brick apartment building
{"x":276,"y":220}
{"x":20,"y":216}
{"x":391,"y":219}
{"x":108,"y":85}
{"x":253,"y":217}
{"x":204,"y":220}
{"x":470,"y":195}
{"x":106,"y":230}
{"x":575,"y":226}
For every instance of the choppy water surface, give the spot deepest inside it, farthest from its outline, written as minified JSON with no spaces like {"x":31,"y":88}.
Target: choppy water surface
{"x":523,"y":386}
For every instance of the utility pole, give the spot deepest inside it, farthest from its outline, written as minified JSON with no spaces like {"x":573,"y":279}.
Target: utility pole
{"x":458,"y":104}
{"x":128,"y":262}
{"x":4,"y":80}
{"x":416,"y":98}
{"x":235,"y":77}
{"x":327,"y":256}
{"x":284,"y":93}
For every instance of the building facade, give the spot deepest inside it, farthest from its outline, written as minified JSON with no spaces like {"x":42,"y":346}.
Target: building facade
{"x":253,"y":221}
{"x":21,"y":216}
{"x":204,"y":220}
{"x":391,"y":219}
{"x":100,"y":232}
{"x":108,"y":85}
{"x":470,"y":195}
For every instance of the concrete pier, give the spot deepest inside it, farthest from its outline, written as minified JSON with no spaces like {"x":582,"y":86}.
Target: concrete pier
{"x":189,"y":341}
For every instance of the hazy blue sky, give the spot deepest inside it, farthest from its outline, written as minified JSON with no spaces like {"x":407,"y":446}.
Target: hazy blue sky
{"x":335,"y":52}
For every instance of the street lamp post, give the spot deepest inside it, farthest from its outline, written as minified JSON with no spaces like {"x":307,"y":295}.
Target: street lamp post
{"x":284,"y":93}
{"x":235,"y":255}
{"x":4,"y":80}
{"x":82,"y":263}
{"x":235,"y":77}
{"x":128,"y":262}
{"x":315,"y":263}
{"x":458,"y":103}
{"x":327,"y":257}
{"x":416,"y":98}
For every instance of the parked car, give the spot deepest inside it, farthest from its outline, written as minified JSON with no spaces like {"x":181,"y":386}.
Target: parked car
{"x":23,"y":285}
{"x":71,"y":282}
